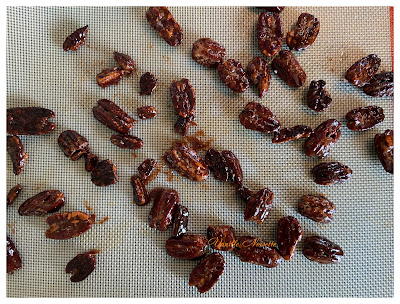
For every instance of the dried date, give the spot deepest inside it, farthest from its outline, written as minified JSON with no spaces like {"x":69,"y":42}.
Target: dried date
{"x":109,"y":76}
{"x":331,"y":173}
{"x":126,"y":141}
{"x":180,"y":222}
{"x":91,"y":161}
{"x":259,"y":118}
{"x":76,"y":39}
{"x":323,"y":139}
{"x":307,"y":29}
{"x":364,"y":118}
{"x":186,"y":246}
{"x":17,"y":154}
{"x":258,"y":206}
{"x":221,"y":238}
{"x":233,"y":75}
{"x":361,"y":72}
{"x":259,"y":75}
{"x":317,"y":207}
{"x":14,"y":261}
{"x":269,"y":33}
{"x":44,"y":202}
{"x":13,"y":194}
{"x":140,"y":194}
{"x":289,"y":234}
{"x":29,"y":121}
{"x":148,"y":83}
{"x":104,"y":174}
{"x":73,"y":144}
{"x":207,"y":272}
{"x":147,"y":167}
{"x":318,"y":98}
{"x":293,"y":133}
{"x":125,"y":62}
{"x":208,"y":53}
{"x":81,"y":266}
{"x":163,"y":210}
{"x":381,"y":85}
{"x":165,"y":25}
{"x":384,"y":148}
{"x":286,"y":66}
{"x":322,"y":250}
{"x":183,"y":97}
{"x":68,"y":225}
{"x":147,"y":112}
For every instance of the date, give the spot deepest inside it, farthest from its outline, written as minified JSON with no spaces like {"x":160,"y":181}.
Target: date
{"x":207,"y":272}
{"x":317,"y":207}
{"x":331,"y":173}
{"x":91,"y":161}
{"x":186,"y":246}
{"x":140,"y":194}
{"x":44,"y":202}
{"x":259,"y":75}
{"x":68,"y":225}
{"x":76,"y":39}
{"x":293,"y":133}
{"x":81,"y":266}
{"x":126,"y":141}
{"x":384,"y":148}
{"x":104,"y":174}
{"x":29,"y":121}
{"x":17,"y":154}
{"x":13,"y":194}
{"x":380,"y":85}
{"x":322,"y":250}
{"x":259,"y":118}
{"x":163,"y":210}
{"x":73,"y":144}
{"x":362,"y":71}
{"x":258,"y":206}
{"x":109,"y":76}
{"x":323,"y":139}
{"x":125,"y":62}
{"x":289,"y":234}
{"x":14,"y":261}
{"x":364,"y":118}
{"x":180,"y":222}
{"x":221,"y":238}
{"x":183,"y":97}
{"x":207,"y":52}
{"x":165,"y":25}
{"x":286,"y":66}
{"x":147,"y":167}
{"x":269,"y":33}
{"x":233,"y":75}
{"x":305,"y":33}
{"x":147,"y":112}
{"x":148,"y":83}
{"x":318,"y":98}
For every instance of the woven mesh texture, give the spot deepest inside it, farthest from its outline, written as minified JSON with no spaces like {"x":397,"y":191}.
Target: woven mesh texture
{"x":133,"y":261}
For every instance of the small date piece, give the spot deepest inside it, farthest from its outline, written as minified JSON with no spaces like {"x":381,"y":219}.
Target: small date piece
{"x":29,"y":121}
{"x":289,"y":234}
{"x":233,"y":75}
{"x":317,"y":207}
{"x":323,"y":139}
{"x":76,"y":39}
{"x":13,"y":194}
{"x":186,"y":246}
{"x":68,"y":225}
{"x":269,"y":33}
{"x":318,"y":98}
{"x":110,"y":76}
{"x":381,"y":85}
{"x":331,"y":173}
{"x":73,"y":144}
{"x":258,"y":206}
{"x":17,"y":154}
{"x":293,"y":133}
{"x":221,"y":238}
{"x":14,"y":261}
{"x":104,"y":174}
{"x":207,"y":272}
{"x":322,"y":250}
{"x":259,"y":118}
{"x":165,"y":25}
{"x":286,"y":66}
{"x":208,"y":52}
{"x":307,"y":29}
{"x":384,"y":147}
{"x":163,"y":210}
{"x":362,"y":71}
{"x":81,"y":266}
{"x":259,"y":75}
{"x":148,"y":83}
{"x":44,"y":202}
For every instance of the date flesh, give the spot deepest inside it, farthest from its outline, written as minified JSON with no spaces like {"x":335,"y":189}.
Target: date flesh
{"x":323,"y":139}
{"x":76,"y":39}
{"x":165,"y":25}
{"x":180,"y":222}
{"x":148,"y":83}
{"x":258,"y":206}
{"x":81,"y":266}
{"x":125,"y":62}
{"x":104,"y":174}
{"x":293,"y":133}
{"x":381,"y":85}
{"x":384,"y":148}
{"x":259,"y":75}
{"x":17,"y":154}
{"x":364,"y":118}
{"x":68,"y":225}
{"x":269,"y":33}
{"x":91,"y":161}
{"x":147,"y":167}
{"x":207,"y":272}
{"x":259,"y":118}
{"x":163,"y":210}
{"x":331,"y":173}
{"x":13,"y":193}
{"x":208,"y":53}
{"x":307,"y":29}
{"x":126,"y":141}
{"x":289,"y":234}
{"x":362,"y":71}
{"x":109,"y":76}
{"x":73,"y":144}
{"x":14,"y":261}
{"x":286,"y":66}
{"x":183,"y":97}
{"x":318,"y":98}
{"x":147,"y":112}
{"x":221,"y":238}
{"x":233,"y":75}
{"x":182,"y":125}
{"x":186,"y":246}
{"x":317,"y":207}
{"x":322,"y":250}
{"x":44,"y":202}
{"x":140,"y":194}
{"x":29,"y":121}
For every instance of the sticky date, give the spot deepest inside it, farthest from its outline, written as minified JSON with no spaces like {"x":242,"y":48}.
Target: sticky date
{"x":148,"y":83}
{"x":147,"y":167}
{"x":207,"y":272}
{"x":125,"y":62}
{"x":208,"y":52}
{"x":17,"y":154}
{"x":322,"y":250}
{"x":233,"y":75}
{"x":259,"y":118}
{"x":286,"y":66}
{"x":293,"y":133}
{"x":269,"y":33}
{"x":258,"y":206}
{"x":104,"y":174}
{"x":29,"y":121}
{"x":126,"y":141}
{"x":14,"y":261}
{"x":259,"y":75}
{"x":109,"y":76}
{"x":385,"y":149}
{"x":44,"y":202}
{"x":361,"y":72}
{"x":68,"y":225}
{"x":163,"y":210}
{"x":331,"y":173}
{"x":305,"y":33}
{"x":76,"y":39}
{"x":82,"y":265}
{"x":381,"y":85}
{"x":323,"y":139}
{"x":73,"y":144}
{"x":186,"y":246}
{"x":221,"y":238}
{"x":180,"y":222}
{"x":289,"y":234}
{"x":183,"y":97}
{"x":147,"y":112}
{"x":317,"y":207}
{"x":318,"y":98}
{"x":165,"y":25}
{"x":140,"y":194}
{"x":91,"y":161}
{"x":364,"y":118}
{"x":13,"y":194}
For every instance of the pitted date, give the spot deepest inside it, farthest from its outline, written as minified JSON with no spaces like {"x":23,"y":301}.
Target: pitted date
{"x":165,"y":25}
{"x":76,"y":39}
{"x":29,"y":121}
{"x":252,"y":250}
{"x":259,"y":75}
{"x":182,"y":125}
{"x":125,"y":62}
{"x":293,"y":133}
{"x":14,"y":261}
{"x":13,"y":194}
{"x":81,"y":266}
{"x":317,"y":207}
{"x":126,"y":141}
{"x":364,"y":118}
{"x":258,"y":206}
{"x":180,"y":222}
{"x":289,"y":234}
{"x":307,"y":29}
{"x":183,"y":97}
{"x":147,"y":167}
{"x":164,"y":206}
{"x":44,"y":202}
{"x":73,"y":144}
{"x":286,"y":66}
{"x":148,"y":83}
{"x":331,"y":173}
{"x":104,"y":174}
{"x":323,"y":139}
{"x":269,"y":33}
{"x":244,"y":192}
{"x":221,"y":238}
{"x":361,"y":72}
{"x":322,"y":250}
{"x":318,"y":98}
{"x":187,"y":162}
{"x":207,"y":272}
{"x":68,"y":225}
{"x":233,"y":75}
{"x":207,"y":52}
{"x":112,"y":116}
{"x":384,"y":148}
{"x":140,"y":194}
{"x":273,"y":9}
{"x":91,"y":161}
{"x":186,"y":246}
{"x":17,"y":154}
{"x":259,"y":118}
{"x":109,"y":76}
{"x":147,"y":112}
{"x":381,"y":85}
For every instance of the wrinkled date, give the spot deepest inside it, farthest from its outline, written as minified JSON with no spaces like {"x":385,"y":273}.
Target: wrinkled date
{"x":269,"y":33}
{"x":104,"y":174}
{"x":148,"y":83}
{"x":317,"y":207}
{"x":76,"y":39}
{"x":364,"y":118}
{"x":13,"y":194}
{"x":293,"y":133}
{"x":318,"y":98}
{"x":225,"y":165}
{"x":147,"y":112}
{"x":125,"y":62}
{"x":258,"y":206}
{"x":289,"y":234}
{"x":322,"y":250}
{"x":361,"y":72}
{"x":273,"y":9}
{"x":232,"y":74}
{"x":181,"y":219}
{"x":259,"y":75}
{"x":323,"y":139}
{"x":244,"y":192}
{"x":165,"y":25}
{"x":17,"y":154}
{"x":252,"y":250}
{"x":112,"y":116}
{"x":286,"y":66}
{"x":109,"y":76}
{"x":186,"y":247}
{"x":384,"y":148}
{"x":257,"y":117}
{"x":147,"y":167}
{"x":208,"y":52}
{"x":29,"y":121}
{"x":126,"y":141}
{"x":221,"y":238}
{"x":140,"y":195}
{"x":183,"y":97}
{"x":307,"y":29}
{"x":91,"y":161}
{"x":162,"y":212}
{"x":73,"y":144}
{"x":68,"y":225}
{"x":207,"y":272}
{"x":331,"y":173}
{"x":182,"y":125}
{"x":187,"y":162}
{"x":44,"y":202}
{"x":14,"y":261}
{"x":81,"y":266}
{"x":381,"y":85}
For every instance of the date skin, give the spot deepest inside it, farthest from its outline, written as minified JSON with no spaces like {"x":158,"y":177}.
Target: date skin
{"x":44,"y":202}
{"x":207,"y":272}
{"x":140,"y":194}
{"x":364,"y":118}
{"x":259,"y":75}
{"x":381,"y":85}
{"x":180,"y":222}
{"x":73,"y":144}
{"x":125,"y":62}
{"x":183,"y":97}
{"x":76,"y":39}
{"x":362,"y":71}
{"x":109,"y":76}
{"x":208,"y":52}
{"x":318,"y":98}
{"x":91,"y":161}
{"x":148,"y":83}
{"x":323,"y":139}
{"x":322,"y":250}
{"x":269,"y":33}
{"x":126,"y":141}
{"x":147,"y":167}
{"x":13,"y":194}
{"x":293,"y":133}
{"x":165,"y":25}
{"x":17,"y":154}
{"x":331,"y":173}
{"x":221,"y":238}
{"x":317,"y":207}
{"x":233,"y":75}
{"x":259,"y":118}
{"x":147,"y":112}
{"x":81,"y":266}
{"x":68,"y":225}
{"x":104,"y":174}
{"x":307,"y":29}
{"x":186,"y":246}
{"x":286,"y":66}
{"x":29,"y":121}
{"x":385,"y":149}
{"x":289,"y":234}
{"x":258,"y":206}
{"x":14,"y":261}
{"x":163,"y":210}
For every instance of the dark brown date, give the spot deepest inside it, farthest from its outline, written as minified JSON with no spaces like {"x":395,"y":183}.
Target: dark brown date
{"x":208,"y":52}
{"x":183,"y":97}
{"x":126,"y":141}
{"x":286,"y":66}
{"x":147,"y":112}
{"x":163,"y":210}
{"x":140,"y":194}
{"x":244,"y":192}
{"x":76,"y":39}
{"x":384,"y":148}
{"x":147,"y":167}
{"x":257,"y":117}
{"x":381,"y":85}
{"x":232,"y":74}
{"x":148,"y":83}
{"x":104,"y":174}
{"x":44,"y":202}
{"x":125,"y":62}
{"x":258,"y":206}
{"x":82,"y":265}
{"x":91,"y":161}
{"x":361,"y":72}
{"x":269,"y":33}
{"x":305,"y":33}
{"x":17,"y":154}
{"x":217,"y":164}
{"x":331,"y":173}
{"x":187,"y":162}
{"x":252,"y":250}
{"x":221,"y":238}
{"x":289,"y":234}
{"x":112,"y":116}
{"x":273,"y":9}
{"x":207,"y":272}
{"x":259,"y":75}
{"x":68,"y":225}
{"x":293,"y":133}
{"x":323,"y":139}
{"x":182,"y":125}
{"x":364,"y":118}
{"x":322,"y":250}
{"x":165,"y":25}
{"x":317,"y":207}
{"x":29,"y":121}
{"x":186,"y":246}
{"x":318,"y":98}
{"x":14,"y":261}
{"x":109,"y":76}
{"x":73,"y":144}
{"x":13,"y":194}
{"x":181,"y":219}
